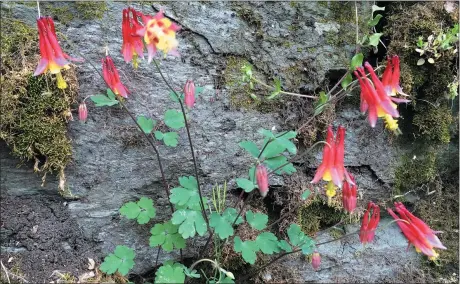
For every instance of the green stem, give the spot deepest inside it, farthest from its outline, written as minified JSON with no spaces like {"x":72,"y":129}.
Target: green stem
{"x":282,"y":92}
{"x":190,"y":143}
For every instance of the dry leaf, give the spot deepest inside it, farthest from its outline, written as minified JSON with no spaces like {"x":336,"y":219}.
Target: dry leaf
{"x":91,"y":263}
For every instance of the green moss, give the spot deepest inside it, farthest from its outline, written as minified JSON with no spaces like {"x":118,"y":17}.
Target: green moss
{"x":246,"y":13}
{"x":317,"y":215}
{"x":33,"y":111}
{"x":62,"y":14}
{"x":91,"y":10}
{"x":433,"y":123}
{"x":414,"y":172}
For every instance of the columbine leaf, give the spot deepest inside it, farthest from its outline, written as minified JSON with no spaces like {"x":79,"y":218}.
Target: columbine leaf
{"x":276,"y":162}
{"x":266,"y":133}
{"x":174,"y":119}
{"x":230,"y":214}
{"x":247,"y":248}
{"x":174,"y":98}
{"x":257,"y":221}
{"x":374,"y":21}
{"x":274,"y":148}
{"x":267,"y":243}
{"x":190,"y":222}
{"x":309,"y":246}
{"x":186,"y":195}
{"x":121,"y":260}
{"x":110,"y":94}
{"x":252,"y":173}
{"x":296,"y":236}
{"x":101,"y":100}
{"x":170,"y":139}
{"x":356,"y":61}
{"x":221,"y":225}
{"x":374,"y":39}
{"x":284,"y":246}
{"x":147,"y":210}
{"x":130,"y":210}
{"x":170,"y":273}
{"x":158,"y":135}
{"x":346,"y":81}
{"x":167,"y":236}
{"x":192,"y":274}
{"x":306,"y":194}
{"x":251,"y":147}
{"x":245,"y":184}
{"x":146,"y":123}
{"x":321,"y":103}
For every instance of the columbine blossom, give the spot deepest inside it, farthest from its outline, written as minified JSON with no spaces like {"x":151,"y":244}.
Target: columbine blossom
{"x":159,"y":34}
{"x":316,"y":260}
{"x":112,"y":78}
{"x":82,"y":112}
{"x":349,"y":196}
{"x":189,"y":94}
{"x":369,"y":225}
{"x":332,"y":167}
{"x":132,"y":47}
{"x":52,"y":58}
{"x":262,"y":179}
{"x":391,"y":77}
{"x":417,"y":232}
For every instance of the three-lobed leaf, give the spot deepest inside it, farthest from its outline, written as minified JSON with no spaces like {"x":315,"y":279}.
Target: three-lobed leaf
{"x":374,"y":39}
{"x":187,"y":195}
{"x":121,"y":260}
{"x":146,"y":123}
{"x":257,"y":221}
{"x":166,"y":235}
{"x":143,"y":210}
{"x":101,"y":100}
{"x":230,"y":214}
{"x":190,"y":222}
{"x":222,"y":226}
{"x":251,"y":147}
{"x":299,"y":239}
{"x":248,"y":249}
{"x":174,"y":119}
{"x":268,"y":243}
{"x":170,"y":272}
{"x":245,"y":184}
{"x":285,"y":246}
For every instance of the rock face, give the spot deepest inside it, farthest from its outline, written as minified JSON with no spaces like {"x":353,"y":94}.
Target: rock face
{"x":111,"y":165}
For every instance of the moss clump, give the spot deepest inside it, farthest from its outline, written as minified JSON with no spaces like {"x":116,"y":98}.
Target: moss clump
{"x":33,"y":111}
{"x":317,"y":215}
{"x":91,"y":10}
{"x":245,"y":12}
{"x":434,"y":123}
{"x":414,"y":172}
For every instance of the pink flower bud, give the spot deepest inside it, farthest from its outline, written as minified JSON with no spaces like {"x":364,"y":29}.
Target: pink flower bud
{"x":189,"y":92}
{"x":262,"y":179}
{"x":316,"y":260}
{"x":82,"y":112}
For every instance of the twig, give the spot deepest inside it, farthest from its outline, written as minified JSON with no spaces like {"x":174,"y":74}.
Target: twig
{"x":284,"y":92}
{"x":4,"y":268}
{"x":12,"y":274}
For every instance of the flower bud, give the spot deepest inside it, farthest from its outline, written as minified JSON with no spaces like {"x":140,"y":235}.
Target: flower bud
{"x":82,"y":112}
{"x":316,"y":260}
{"x":189,"y":92}
{"x":262,"y":179}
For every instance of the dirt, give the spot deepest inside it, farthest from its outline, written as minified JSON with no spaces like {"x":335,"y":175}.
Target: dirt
{"x":38,"y":236}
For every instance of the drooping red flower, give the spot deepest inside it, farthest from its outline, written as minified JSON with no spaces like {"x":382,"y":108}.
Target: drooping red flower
{"x":262,"y":179}
{"x":417,"y":232}
{"x":368,"y":226}
{"x":111,"y":77}
{"x":316,"y":260}
{"x":332,"y":167}
{"x":159,"y":34}
{"x":349,"y":196}
{"x":189,"y":94}
{"x":391,"y":77}
{"x":132,"y":44}
{"x":53,"y":59}
{"x":82,"y":112}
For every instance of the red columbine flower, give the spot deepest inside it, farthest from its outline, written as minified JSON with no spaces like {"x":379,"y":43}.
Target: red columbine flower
{"x":316,"y":260}
{"x":417,"y":232}
{"x":189,"y":93}
{"x":52,"y":57}
{"x":112,"y":78}
{"x":391,"y":77}
{"x":349,"y":196}
{"x":332,"y":168}
{"x":82,"y":112}
{"x":132,"y":45}
{"x":368,"y":227}
{"x":262,"y":179}
{"x":159,"y":34}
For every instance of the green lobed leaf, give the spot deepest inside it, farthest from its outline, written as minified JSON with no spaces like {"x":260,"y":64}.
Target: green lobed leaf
{"x":321,"y":103}
{"x":374,"y":21}
{"x":276,"y":162}
{"x":346,"y":81}
{"x":174,"y":119}
{"x":251,"y":147}
{"x":248,"y":249}
{"x":110,"y":94}
{"x":296,"y":236}
{"x":221,"y":225}
{"x":245,"y":184}
{"x":146,"y":123}
{"x":274,"y":148}
{"x":110,"y":264}
{"x":374,"y":39}
{"x":267,"y":243}
{"x":170,"y":273}
{"x":188,"y":194}
{"x":174,"y":98}
{"x":266,"y":133}
{"x":356,"y":61}
{"x":121,"y":260}
{"x":101,"y":100}
{"x":170,"y":139}
{"x":147,"y":210}
{"x":285,"y":246}
{"x":167,"y":236}
{"x":190,"y":222}
{"x":257,"y":221}
{"x":191,"y":273}
{"x":158,"y":135}
{"x":306,"y":194}
{"x":252,"y":173}
{"x":230,"y":214}
{"x":130,"y":210}
{"x":309,"y":246}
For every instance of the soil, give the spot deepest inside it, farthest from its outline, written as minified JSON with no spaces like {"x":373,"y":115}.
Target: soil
{"x":38,"y":236}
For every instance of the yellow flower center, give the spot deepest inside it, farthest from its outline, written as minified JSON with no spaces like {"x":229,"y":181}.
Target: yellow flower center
{"x":61,"y":83}
{"x":330,"y":191}
{"x":390,"y":123}
{"x":135,"y":62}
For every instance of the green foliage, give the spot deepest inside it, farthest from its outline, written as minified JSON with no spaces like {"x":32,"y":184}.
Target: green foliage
{"x":268,"y":243}
{"x":299,"y":239}
{"x":146,"y":123}
{"x":222,"y":225}
{"x":251,"y":147}
{"x":277,"y":87}
{"x":170,"y":272}
{"x":257,"y":221}
{"x":306,"y":194}
{"x":166,"y":235}
{"x":285,"y":246}
{"x":374,"y":39}
{"x":142,"y":210}
{"x":103,"y":100}
{"x":374,"y":21}
{"x":245,"y":184}
{"x":190,"y":222}
{"x":169,"y":138}
{"x":188,"y":194}
{"x":174,"y":119}
{"x":436,"y":46}
{"x":247,"y":248}
{"x":230,"y":214}
{"x":321,"y":103}
{"x":121,"y":260}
